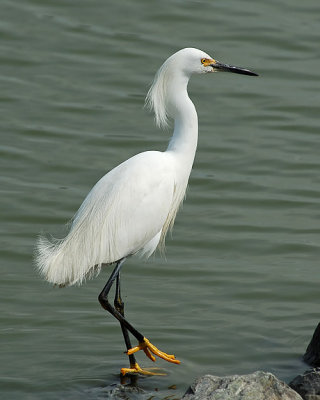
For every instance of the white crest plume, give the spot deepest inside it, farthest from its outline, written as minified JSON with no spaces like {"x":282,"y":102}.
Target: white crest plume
{"x":157,"y":94}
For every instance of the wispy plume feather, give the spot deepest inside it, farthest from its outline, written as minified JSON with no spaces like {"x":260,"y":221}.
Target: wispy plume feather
{"x":157,"y":94}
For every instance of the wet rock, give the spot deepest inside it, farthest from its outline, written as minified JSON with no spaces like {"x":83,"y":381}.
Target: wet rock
{"x":312,"y":354}
{"x":307,"y":384}
{"x":257,"y":386}
{"x":118,"y":391}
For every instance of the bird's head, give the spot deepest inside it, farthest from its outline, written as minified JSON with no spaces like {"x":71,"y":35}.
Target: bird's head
{"x":174,"y":74}
{"x":193,"y":61}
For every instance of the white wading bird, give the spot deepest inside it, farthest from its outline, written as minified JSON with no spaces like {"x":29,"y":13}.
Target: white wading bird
{"x":131,"y":208}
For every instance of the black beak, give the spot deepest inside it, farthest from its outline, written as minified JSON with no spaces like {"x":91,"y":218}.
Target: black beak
{"x":230,"y":68}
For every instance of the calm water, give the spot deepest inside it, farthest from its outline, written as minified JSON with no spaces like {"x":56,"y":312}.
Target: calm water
{"x":239,"y":288}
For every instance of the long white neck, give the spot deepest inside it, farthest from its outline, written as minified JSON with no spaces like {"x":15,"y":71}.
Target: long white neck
{"x":168,"y":97}
{"x":183,"y":144}
{"x":185,"y":135}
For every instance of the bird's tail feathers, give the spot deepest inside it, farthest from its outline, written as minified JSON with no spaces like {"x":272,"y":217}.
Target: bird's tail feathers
{"x":57,"y":265}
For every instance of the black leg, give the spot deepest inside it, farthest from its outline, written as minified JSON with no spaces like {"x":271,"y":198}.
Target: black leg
{"x":119,"y":306}
{"x":118,"y":312}
{"x":103,"y":299}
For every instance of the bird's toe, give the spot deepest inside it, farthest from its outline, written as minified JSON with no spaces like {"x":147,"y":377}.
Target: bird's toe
{"x":151,"y":351}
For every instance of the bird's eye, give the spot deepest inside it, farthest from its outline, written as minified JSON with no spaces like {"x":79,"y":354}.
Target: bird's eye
{"x":203,"y":60}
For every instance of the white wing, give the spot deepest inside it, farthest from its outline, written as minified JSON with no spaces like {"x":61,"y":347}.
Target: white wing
{"x":123,"y":212}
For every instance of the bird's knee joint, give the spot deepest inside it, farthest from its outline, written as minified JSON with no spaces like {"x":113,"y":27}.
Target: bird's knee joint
{"x":103,"y":300}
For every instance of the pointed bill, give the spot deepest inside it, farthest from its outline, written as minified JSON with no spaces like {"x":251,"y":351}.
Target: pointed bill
{"x":218,"y":66}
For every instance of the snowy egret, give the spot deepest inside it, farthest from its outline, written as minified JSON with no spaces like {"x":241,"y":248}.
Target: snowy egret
{"x":131,"y":208}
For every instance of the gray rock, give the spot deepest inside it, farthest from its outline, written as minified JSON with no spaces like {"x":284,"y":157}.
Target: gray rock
{"x":257,"y":386}
{"x":312,"y":354}
{"x":308,"y":384}
{"x":117,"y":391}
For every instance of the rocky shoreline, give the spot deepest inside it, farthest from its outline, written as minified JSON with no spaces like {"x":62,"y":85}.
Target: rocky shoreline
{"x":256,"y":386}
{"x":262,"y":385}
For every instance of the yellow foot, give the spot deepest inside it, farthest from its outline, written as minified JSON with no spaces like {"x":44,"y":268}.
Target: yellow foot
{"x":136,"y":369}
{"x":150,"y":349}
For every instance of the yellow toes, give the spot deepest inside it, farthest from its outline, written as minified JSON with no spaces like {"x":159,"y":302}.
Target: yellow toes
{"x":149,"y":349}
{"x":136,"y":369}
